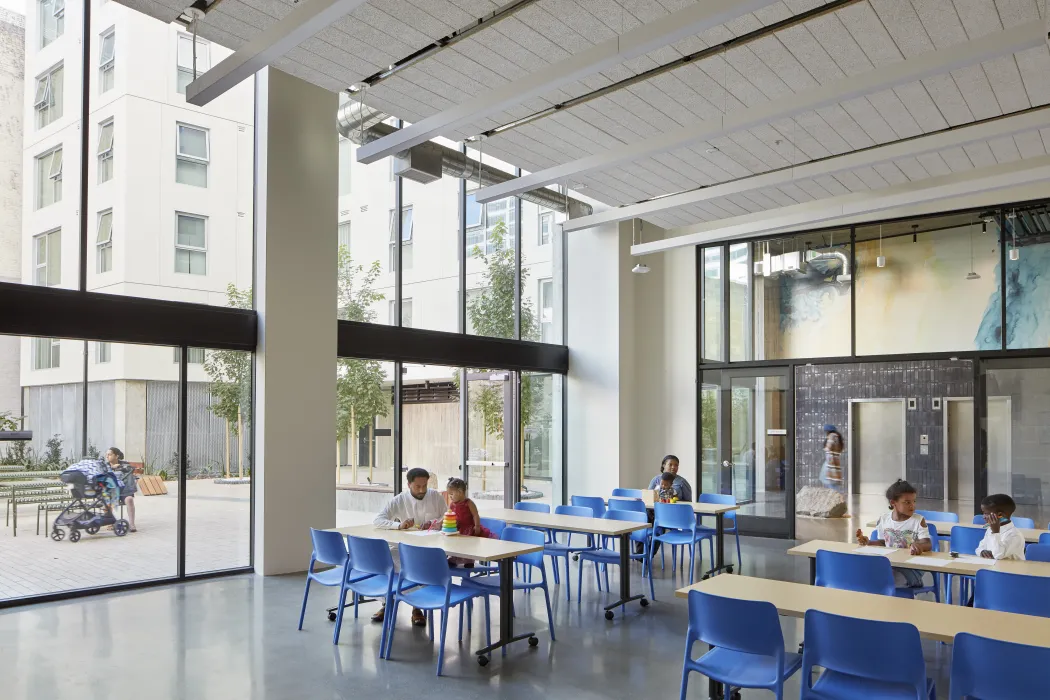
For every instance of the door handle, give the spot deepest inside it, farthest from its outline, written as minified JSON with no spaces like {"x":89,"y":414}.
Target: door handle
{"x":727,"y":463}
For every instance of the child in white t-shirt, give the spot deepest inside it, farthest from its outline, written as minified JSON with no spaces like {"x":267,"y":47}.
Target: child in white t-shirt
{"x":901,"y":528}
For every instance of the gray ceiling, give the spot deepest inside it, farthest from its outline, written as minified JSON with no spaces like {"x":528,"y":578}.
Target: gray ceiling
{"x":852,"y":40}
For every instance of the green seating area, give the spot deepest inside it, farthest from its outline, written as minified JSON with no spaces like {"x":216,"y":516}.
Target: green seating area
{"x":31,"y":493}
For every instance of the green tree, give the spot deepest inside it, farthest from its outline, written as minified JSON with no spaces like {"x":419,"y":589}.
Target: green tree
{"x":230,"y":372}
{"x":360,"y":397}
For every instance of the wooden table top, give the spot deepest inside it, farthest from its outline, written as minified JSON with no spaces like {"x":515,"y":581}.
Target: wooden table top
{"x":934,"y":620}
{"x":482,"y":548}
{"x":567,"y":523}
{"x":701,"y":508}
{"x":945,"y":528}
{"x":937,"y":562}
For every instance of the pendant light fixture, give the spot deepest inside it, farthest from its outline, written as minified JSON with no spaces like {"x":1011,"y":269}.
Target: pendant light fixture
{"x":1015,"y":253}
{"x":640,"y":268}
{"x":880,"y":261}
{"x":973,"y":273}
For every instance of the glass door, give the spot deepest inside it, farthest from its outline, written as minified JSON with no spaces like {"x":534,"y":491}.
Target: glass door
{"x":492,"y":439}
{"x":746,"y":446}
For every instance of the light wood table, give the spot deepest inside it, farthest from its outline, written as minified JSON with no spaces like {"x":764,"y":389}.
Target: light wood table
{"x":945,"y":528}
{"x":933,"y":620}
{"x":590,"y":526}
{"x":716,"y":509}
{"x":936,"y":562}
{"x":482,"y":548}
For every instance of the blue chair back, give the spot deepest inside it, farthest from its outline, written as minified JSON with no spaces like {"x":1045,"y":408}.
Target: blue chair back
{"x":1018,"y":521}
{"x":632,"y":504}
{"x":964,"y":540}
{"x":1044,"y":538}
{"x":752,"y":627}
{"x":424,"y":565}
{"x":935,"y":539}
{"x":723,"y":499}
{"x":495,"y":526}
{"x":1020,"y":669}
{"x":887,"y":652}
{"x":578,"y":511}
{"x":630,"y":516}
{"x":940,"y":516}
{"x":329,"y":547}
{"x":978,"y":520}
{"x":595,"y":503}
{"x":1013,"y":593}
{"x":854,"y":572}
{"x":524,"y":535}
{"x":627,"y":493}
{"x":674,"y":516}
{"x":371,"y":556}
{"x":1038,"y":552}
{"x":533,"y":507}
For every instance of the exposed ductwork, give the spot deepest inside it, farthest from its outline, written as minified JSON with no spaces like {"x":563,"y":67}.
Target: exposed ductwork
{"x":363,"y":124}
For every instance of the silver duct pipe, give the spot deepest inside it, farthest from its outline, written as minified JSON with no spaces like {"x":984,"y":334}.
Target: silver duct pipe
{"x":362,"y":124}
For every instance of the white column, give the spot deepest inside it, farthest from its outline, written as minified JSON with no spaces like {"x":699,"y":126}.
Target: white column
{"x":295,"y":295}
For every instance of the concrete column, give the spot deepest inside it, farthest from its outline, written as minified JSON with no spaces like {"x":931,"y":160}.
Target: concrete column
{"x":295,"y":295}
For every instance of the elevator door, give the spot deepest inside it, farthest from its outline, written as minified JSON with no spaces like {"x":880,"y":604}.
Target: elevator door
{"x":959,"y":453}
{"x":876,"y":450}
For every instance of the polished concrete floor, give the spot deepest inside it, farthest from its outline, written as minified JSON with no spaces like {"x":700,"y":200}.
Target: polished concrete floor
{"x":236,"y":638}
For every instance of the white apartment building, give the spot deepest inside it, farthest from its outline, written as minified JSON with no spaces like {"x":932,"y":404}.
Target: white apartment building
{"x":12,"y":75}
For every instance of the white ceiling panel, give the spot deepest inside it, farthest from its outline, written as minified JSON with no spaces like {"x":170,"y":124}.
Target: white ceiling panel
{"x":1029,"y":144}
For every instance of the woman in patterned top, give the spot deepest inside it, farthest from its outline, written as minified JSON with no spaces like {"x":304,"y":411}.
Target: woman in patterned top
{"x":901,"y":528}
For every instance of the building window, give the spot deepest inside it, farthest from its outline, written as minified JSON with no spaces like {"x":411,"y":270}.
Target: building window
{"x":406,"y":239}
{"x":184,"y":73}
{"x":344,"y":235}
{"x":46,"y":353}
{"x":194,"y":356}
{"x":547,"y":311}
{"x":103,"y":353}
{"x":48,"y":100}
{"x":483,"y":219}
{"x":104,"y":241}
{"x":48,"y":258}
{"x":546,"y":227}
{"x":191,"y":156}
{"x":105,"y":151}
{"x":406,"y":313}
{"x":473,"y":211}
{"x":49,"y":178}
{"x":191,"y":244}
{"x":106,"y":59}
{"x":345,"y":159}
{"x":52,"y":20}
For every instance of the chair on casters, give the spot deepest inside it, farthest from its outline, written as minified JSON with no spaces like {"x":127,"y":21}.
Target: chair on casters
{"x":679,"y":524}
{"x":747,"y":644}
{"x":330,"y":549}
{"x":964,"y":540}
{"x":1021,"y":671}
{"x":728,"y":517}
{"x":372,"y":557}
{"x":1012,"y":593}
{"x":427,"y":568}
{"x":490,"y":583}
{"x":555,"y":549}
{"x":1037,"y":552}
{"x":863,"y":659}
{"x":606,"y":556}
{"x":627,"y":493}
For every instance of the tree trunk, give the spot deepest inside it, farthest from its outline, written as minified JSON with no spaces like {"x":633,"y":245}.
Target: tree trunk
{"x":240,"y":444}
{"x":351,"y":444}
{"x":226,"y":470}
{"x":371,"y":449}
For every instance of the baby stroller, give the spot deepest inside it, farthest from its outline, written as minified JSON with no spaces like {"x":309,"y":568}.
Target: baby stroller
{"x":90,"y":483}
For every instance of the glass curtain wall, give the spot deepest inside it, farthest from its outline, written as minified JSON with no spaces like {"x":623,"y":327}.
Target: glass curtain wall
{"x":365,"y":426}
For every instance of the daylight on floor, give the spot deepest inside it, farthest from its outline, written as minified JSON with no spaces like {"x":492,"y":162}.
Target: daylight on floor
{"x":592,"y":348}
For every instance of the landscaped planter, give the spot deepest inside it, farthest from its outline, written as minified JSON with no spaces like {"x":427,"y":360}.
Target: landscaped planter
{"x":15,"y":435}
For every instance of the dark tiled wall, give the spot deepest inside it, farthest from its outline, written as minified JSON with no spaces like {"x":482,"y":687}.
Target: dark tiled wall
{"x":822,"y":394}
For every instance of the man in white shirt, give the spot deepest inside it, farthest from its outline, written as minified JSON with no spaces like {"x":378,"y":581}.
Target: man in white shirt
{"x":1002,"y":540}
{"x":410,"y":509}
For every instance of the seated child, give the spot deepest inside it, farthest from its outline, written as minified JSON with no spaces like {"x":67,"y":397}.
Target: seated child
{"x":901,"y":528}
{"x":468,"y":522}
{"x":666,"y":492}
{"x":1002,"y":540}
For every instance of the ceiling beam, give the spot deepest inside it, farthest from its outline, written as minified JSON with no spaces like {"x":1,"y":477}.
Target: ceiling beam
{"x":948,"y":138}
{"x":689,"y":21}
{"x":300,"y":24}
{"x":922,"y":66}
{"x":979,"y":180}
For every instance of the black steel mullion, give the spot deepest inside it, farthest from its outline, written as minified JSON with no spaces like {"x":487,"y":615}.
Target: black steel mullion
{"x":84,"y":417}
{"x":1002,"y":276}
{"x":397,"y":425}
{"x":399,"y":244}
{"x":183,"y":427}
{"x":464,"y":422}
{"x":789,"y":477}
{"x":251,"y":464}
{"x":980,"y":441}
{"x":853,"y":291}
{"x":724,"y":264}
{"x":85,"y":115}
{"x":519,"y":239}
{"x":462,"y":251}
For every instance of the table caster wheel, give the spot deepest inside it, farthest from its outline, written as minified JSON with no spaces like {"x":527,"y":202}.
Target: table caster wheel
{"x":644,"y":603}
{"x":575,"y":557}
{"x":608,"y":614}
{"x":729,"y":569}
{"x":331,"y":615}
{"x":483,"y":660}
{"x":533,"y":641}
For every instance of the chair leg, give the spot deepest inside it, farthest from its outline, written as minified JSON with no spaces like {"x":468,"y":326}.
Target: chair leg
{"x":386,"y":628}
{"x":441,"y":645}
{"x":605,"y":572}
{"x":692,"y":564}
{"x":306,"y":594}
{"x":339,"y":614}
{"x":430,"y":624}
{"x":685,"y":674}
{"x":462,"y":614}
{"x":674,"y":559}
{"x":649,"y":559}
{"x":470,"y":615}
{"x":356,"y":601}
{"x":557,"y":579}
{"x":579,"y":581}
{"x":739,"y":557}
{"x":568,"y":578}
{"x":391,"y":619}
{"x":550,"y":612}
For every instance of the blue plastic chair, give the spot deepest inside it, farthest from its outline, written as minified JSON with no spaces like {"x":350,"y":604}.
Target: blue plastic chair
{"x":935,"y":588}
{"x":534,"y":560}
{"x":940,"y":516}
{"x":627,"y":493}
{"x":729,"y":522}
{"x":747,"y":644}
{"x":555,"y":549}
{"x":964,"y":540}
{"x":372,"y":557}
{"x":534,"y":508}
{"x":978,"y":520}
{"x":855,"y":572}
{"x":1018,"y":521}
{"x":595,"y":503}
{"x":427,"y":569}
{"x":678,"y":524}
{"x":1021,"y":671}
{"x":496,"y":527}
{"x":606,"y":556}
{"x":1037,"y":552}
{"x":636,"y":505}
{"x":863,"y":659}
{"x":1045,"y":537}
{"x":1013,"y":593}
{"x":329,"y":548}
